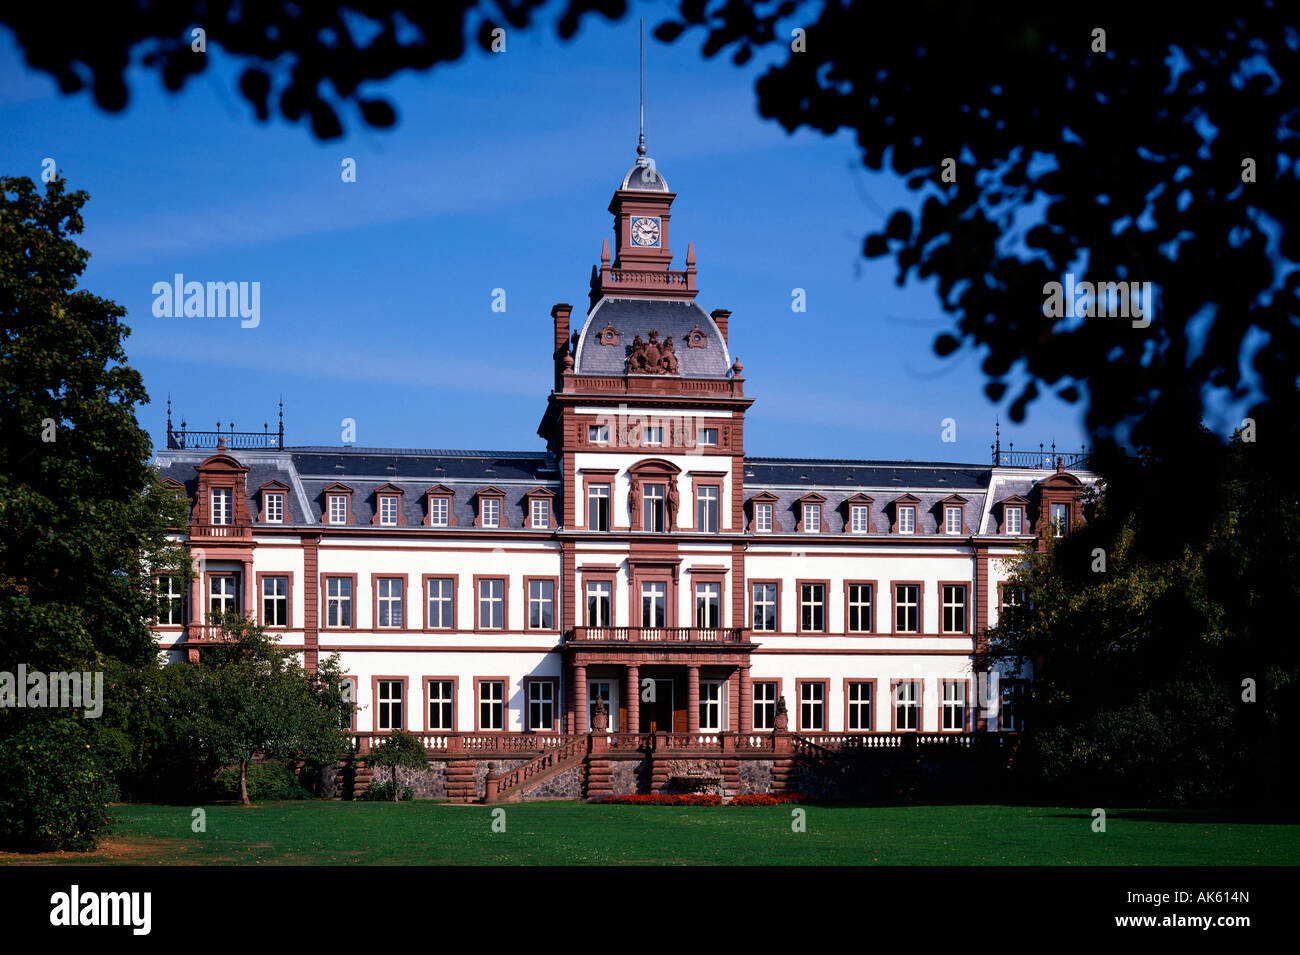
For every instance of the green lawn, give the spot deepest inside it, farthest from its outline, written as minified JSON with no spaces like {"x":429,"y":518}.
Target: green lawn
{"x":419,"y":833}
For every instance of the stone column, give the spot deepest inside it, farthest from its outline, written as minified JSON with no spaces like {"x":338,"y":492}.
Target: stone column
{"x":746,"y":701}
{"x":579,"y":696}
{"x":633,"y":700}
{"x":692,"y":699}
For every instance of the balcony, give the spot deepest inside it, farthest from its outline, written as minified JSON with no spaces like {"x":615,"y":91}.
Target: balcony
{"x":220,"y":531}
{"x":677,"y":636}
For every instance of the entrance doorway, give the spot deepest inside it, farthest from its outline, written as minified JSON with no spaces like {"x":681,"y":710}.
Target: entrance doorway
{"x":657,"y":713}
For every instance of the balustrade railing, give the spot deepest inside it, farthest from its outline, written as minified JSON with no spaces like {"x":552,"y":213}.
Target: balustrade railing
{"x":658,"y":634}
{"x":571,"y":748}
{"x":220,"y":530}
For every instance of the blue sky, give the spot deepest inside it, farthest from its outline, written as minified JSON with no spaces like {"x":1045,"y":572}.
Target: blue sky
{"x":376,"y":296}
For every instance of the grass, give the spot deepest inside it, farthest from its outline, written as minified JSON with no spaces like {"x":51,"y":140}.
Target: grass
{"x":566,"y":833}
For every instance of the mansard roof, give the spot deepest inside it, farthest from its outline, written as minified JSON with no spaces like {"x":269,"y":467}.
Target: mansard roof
{"x":631,"y":317}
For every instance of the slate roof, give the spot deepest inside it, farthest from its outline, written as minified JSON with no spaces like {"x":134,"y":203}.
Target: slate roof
{"x":638,"y":316}
{"x":644,"y":179}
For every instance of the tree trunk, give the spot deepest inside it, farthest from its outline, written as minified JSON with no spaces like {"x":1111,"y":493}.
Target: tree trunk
{"x":243,"y":782}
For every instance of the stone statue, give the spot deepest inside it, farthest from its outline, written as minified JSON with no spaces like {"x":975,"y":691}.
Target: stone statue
{"x":636,"y":356}
{"x":668,"y":359}
{"x":673,"y":500}
{"x":599,"y":717}
{"x":634,"y":499}
{"x":782,"y":717}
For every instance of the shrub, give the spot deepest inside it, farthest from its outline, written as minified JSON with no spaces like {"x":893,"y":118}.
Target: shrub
{"x":383,"y":792}
{"x":266,"y":780}
{"x":768,"y":799}
{"x":53,"y":794}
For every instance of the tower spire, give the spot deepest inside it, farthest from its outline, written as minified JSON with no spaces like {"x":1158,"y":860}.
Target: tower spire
{"x":640,"y":148}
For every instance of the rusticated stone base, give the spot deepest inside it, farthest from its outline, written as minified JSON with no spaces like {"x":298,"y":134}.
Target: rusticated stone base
{"x":694,"y":776}
{"x":630,"y":777}
{"x":567,"y":785}
{"x":428,"y":783}
{"x":755,"y":776}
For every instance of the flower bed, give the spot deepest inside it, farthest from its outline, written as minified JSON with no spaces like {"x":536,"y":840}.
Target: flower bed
{"x":768,"y":799}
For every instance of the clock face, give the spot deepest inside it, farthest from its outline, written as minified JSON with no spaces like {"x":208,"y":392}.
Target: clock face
{"x":645,"y":231}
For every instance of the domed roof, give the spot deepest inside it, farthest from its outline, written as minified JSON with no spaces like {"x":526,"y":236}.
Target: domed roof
{"x":612,"y":327}
{"x":645,"y":177}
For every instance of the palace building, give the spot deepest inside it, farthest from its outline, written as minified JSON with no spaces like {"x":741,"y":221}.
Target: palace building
{"x":640,"y":603}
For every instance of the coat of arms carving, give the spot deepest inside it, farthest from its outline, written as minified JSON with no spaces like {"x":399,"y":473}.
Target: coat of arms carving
{"x":653,"y":357}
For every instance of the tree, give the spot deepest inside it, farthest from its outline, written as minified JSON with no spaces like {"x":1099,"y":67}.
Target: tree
{"x":257,"y":700}
{"x":1163,"y":681}
{"x":83,"y":521}
{"x":399,"y":748}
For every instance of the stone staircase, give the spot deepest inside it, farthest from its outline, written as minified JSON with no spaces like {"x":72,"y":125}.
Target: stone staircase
{"x":510,"y":785}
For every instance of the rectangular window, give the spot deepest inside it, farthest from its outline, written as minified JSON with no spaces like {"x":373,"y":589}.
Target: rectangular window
{"x":706,"y":509}
{"x":954,"y":608}
{"x":338,"y":601}
{"x":1060,"y":519}
{"x":812,"y":706}
{"x":711,"y":708}
{"x":652,"y":507}
{"x":812,"y":518}
{"x":653,"y":435}
{"x":390,"y":602}
{"x":275,"y":508}
{"x":1015,"y":519}
{"x":599,"y":599}
{"x":491,"y":705}
{"x":952,"y":520}
{"x":491,"y":512}
{"x":221,"y":505}
{"x":441,"y":603}
{"x":954,"y":705}
{"x":861,"y":616}
{"x":541,"y":512}
{"x":598,"y":433}
{"x":907,"y":706}
{"x":907,"y":520}
{"x":348,"y":688}
{"x":223,"y":596}
{"x":654,"y":604}
{"x":541,"y":604}
{"x":765,"y":607}
{"x":763,"y":517}
{"x":708,"y":605}
{"x":390,"y":704}
{"x":860,"y":518}
{"x":388,"y":510}
{"x":860,"y":716}
{"x":171,"y":601}
{"x":492,"y":604}
{"x":708,"y":437}
{"x":1011,"y":597}
{"x":907,"y":608}
{"x":541,"y":705}
{"x":598,"y":507}
{"x":438,"y":511}
{"x":338,"y":508}
{"x":812,"y":607}
{"x":275,"y":601}
{"x":442,"y":704}
{"x":764,"y":706}
{"x":1011,"y":717}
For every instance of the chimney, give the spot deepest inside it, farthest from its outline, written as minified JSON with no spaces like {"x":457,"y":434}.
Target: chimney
{"x":720,"y":316}
{"x":560,"y":312}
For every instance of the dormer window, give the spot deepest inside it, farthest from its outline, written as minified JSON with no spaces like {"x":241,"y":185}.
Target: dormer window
{"x":338,"y":504}
{"x":812,"y":518}
{"x":537,"y":504}
{"x":438,"y":511}
{"x":491,"y":508}
{"x":952,"y":519}
{"x":859,"y":517}
{"x":1015,"y":520}
{"x":222,"y":505}
{"x":763,"y":517}
{"x":1060,"y":520}
{"x":388,"y":510}
{"x":275,"y":508}
{"x":906,"y":519}
{"x":812,"y":513}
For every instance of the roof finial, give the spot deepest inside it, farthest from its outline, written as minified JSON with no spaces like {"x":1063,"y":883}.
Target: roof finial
{"x":640,"y":149}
